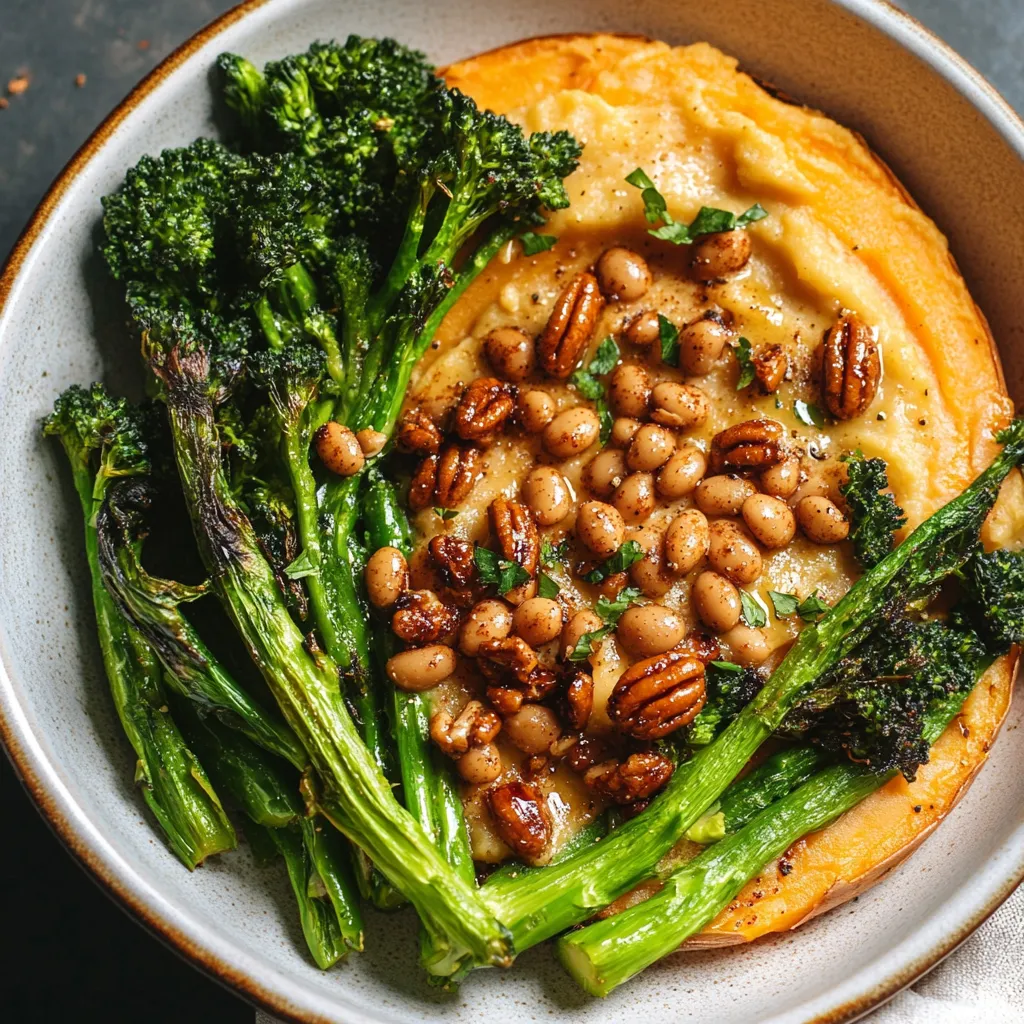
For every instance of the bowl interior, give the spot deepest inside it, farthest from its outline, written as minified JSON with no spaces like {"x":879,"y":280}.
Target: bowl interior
{"x":61,"y":324}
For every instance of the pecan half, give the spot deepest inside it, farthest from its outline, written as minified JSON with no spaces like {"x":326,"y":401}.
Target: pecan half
{"x":444,"y":479}
{"x":658,"y":695}
{"x":453,"y":557}
{"x":516,"y":530}
{"x":571,"y":326}
{"x":579,"y":700}
{"x":511,"y":655}
{"x":484,"y":408}
{"x":770,"y":365}
{"x":637,"y":778}
{"x":421,"y":617}
{"x":754,"y":444}
{"x":419,"y":434}
{"x":851,"y":367}
{"x":521,"y":819}
{"x":474,"y":726}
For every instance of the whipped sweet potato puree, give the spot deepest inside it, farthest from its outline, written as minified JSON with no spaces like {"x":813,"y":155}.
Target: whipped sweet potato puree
{"x":840,"y":235}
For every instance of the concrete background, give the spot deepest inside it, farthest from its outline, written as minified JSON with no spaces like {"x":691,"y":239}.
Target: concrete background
{"x":70,"y":952}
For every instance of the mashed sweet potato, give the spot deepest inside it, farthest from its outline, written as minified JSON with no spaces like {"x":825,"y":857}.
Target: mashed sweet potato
{"x":841,"y":234}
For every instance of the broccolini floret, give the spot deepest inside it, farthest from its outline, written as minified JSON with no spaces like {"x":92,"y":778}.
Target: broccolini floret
{"x":874,"y":513}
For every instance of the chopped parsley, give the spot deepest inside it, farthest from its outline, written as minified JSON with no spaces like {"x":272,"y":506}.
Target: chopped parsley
{"x":587,"y":383}
{"x":533,"y":244}
{"x":668,"y":334}
{"x":745,"y":359}
{"x":610,"y":610}
{"x":808,"y":413}
{"x":499,"y":572}
{"x":754,"y":613}
{"x":445,"y":514}
{"x":709,"y":219}
{"x":810,"y":609}
{"x":546,"y":586}
{"x":627,"y":554}
{"x":554,"y":554}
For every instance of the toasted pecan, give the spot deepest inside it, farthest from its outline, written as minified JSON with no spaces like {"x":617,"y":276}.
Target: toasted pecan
{"x":851,"y":367}
{"x":658,"y":695}
{"x":571,"y":326}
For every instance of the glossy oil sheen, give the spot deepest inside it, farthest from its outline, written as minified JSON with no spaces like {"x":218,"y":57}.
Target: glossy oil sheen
{"x":959,"y":151}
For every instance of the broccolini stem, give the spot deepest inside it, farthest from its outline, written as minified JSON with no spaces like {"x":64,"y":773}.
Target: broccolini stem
{"x":152,"y":606}
{"x":354,"y":794}
{"x":381,"y":401}
{"x":746,"y":798}
{"x":325,"y":938}
{"x":543,"y":904}
{"x":429,"y":787}
{"x":262,"y":788}
{"x":607,"y":953}
{"x":340,"y":620}
{"x":603,"y":955}
{"x":173,"y":782}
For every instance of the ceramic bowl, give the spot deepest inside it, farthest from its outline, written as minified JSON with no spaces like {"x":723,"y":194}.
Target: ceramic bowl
{"x":960,"y":151}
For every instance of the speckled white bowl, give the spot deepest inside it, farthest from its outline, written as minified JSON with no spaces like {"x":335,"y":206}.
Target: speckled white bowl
{"x":960,"y":151}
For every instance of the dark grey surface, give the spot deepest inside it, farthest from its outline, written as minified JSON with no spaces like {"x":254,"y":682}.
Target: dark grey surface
{"x":70,"y":953}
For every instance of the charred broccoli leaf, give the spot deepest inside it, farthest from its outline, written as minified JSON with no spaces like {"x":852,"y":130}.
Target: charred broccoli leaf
{"x":873,"y":510}
{"x":994,"y":605}
{"x":729,"y":687}
{"x":872,"y":706}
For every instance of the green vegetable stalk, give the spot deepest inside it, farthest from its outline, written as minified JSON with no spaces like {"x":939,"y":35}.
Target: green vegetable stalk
{"x":103,"y":441}
{"x":313,"y":851}
{"x":354,"y":795}
{"x":153,"y":607}
{"x":608,"y":953}
{"x":545,"y":903}
{"x":429,"y":787}
{"x":747,"y":797}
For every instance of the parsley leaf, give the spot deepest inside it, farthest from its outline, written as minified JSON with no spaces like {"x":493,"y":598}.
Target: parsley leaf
{"x":445,"y":513}
{"x":496,"y":571}
{"x":812,"y":608}
{"x":754,"y":614}
{"x":533,"y":244}
{"x":627,"y":554}
{"x":784,"y":604}
{"x":546,"y":586}
{"x":728,"y":666}
{"x":604,"y":414}
{"x":808,"y":413}
{"x":302,"y":566}
{"x":587,"y":385}
{"x":554,"y":554}
{"x":746,"y":364}
{"x":668,"y":333}
{"x":605,"y":358}
{"x":709,"y":220}
{"x":653,"y":200}
{"x":611,"y":610}
{"x":585,"y":645}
